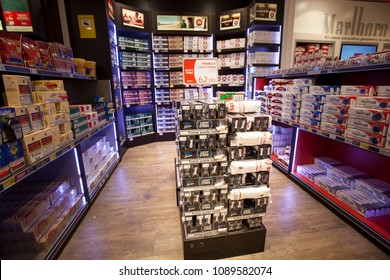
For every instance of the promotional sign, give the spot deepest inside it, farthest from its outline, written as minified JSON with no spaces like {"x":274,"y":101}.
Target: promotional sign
{"x":110,"y":8}
{"x":16,"y":15}
{"x":231,"y":21}
{"x":87,"y":26}
{"x":133,"y":19}
{"x":182,"y":23}
{"x":200,"y":71}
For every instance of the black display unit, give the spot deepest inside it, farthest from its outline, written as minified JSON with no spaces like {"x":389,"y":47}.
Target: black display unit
{"x":170,"y":44}
{"x":230,"y":48}
{"x":135,"y":73}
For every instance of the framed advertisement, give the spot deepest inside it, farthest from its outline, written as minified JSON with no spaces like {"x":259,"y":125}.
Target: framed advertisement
{"x":263,"y":11}
{"x":230,"y":21}
{"x":16,"y":15}
{"x":182,"y":23}
{"x":133,"y":18}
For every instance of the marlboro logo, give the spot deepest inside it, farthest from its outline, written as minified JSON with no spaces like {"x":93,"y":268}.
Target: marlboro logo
{"x":355,"y":27}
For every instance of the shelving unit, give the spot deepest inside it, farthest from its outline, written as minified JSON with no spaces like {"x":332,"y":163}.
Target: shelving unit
{"x":51,"y":200}
{"x":369,"y":158}
{"x":168,"y":51}
{"x":230,"y":48}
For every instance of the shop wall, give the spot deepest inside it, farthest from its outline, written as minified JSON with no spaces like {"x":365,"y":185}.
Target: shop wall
{"x":337,"y":22}
{"x":198,"y":6}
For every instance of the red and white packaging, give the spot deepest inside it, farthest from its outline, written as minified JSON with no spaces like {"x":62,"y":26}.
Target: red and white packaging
{"x":340,"y":100}
{"x":366,"y":137}
{"x":383,"y":91}
{"x":333,"y":128}
{"x":370,"y":126}
{"x":335,"y":110}
{"x":87,"y":108}
{"x":381,"y":103}
{"x":334,"y":119}
{"x":370,"y":114}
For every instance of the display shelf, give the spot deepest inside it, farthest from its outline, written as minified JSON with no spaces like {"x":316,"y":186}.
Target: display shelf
{"x":262,"y":64}
{"x":315,"y":72}
{"x":204,"y":212}
{"x":57,"y":247}
{"x":202,"y":132}
{"x":352,"y":142}
{"x":41,"y":72}
{"x":167,"y":51}
{"x":202,"y":160}
{"x":233,"y":50}
{"x":230,"y":86}
{"x":253,"y":45}
{"x":133,"y":49}
{"x":134,"y":68}
{"x":281,"y":166}
{"x":377,"y":228}
{"x":243,"y":217}
{"x":104,"y":180}
{"x":226,"y":245}
{"x":168,"y":69}
{"x":29,"y":170}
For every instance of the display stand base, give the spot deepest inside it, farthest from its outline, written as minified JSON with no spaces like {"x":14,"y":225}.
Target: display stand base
{"x":225,"y":246}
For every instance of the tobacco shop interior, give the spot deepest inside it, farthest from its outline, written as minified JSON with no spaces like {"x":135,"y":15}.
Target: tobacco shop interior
{"x":194,"y":130}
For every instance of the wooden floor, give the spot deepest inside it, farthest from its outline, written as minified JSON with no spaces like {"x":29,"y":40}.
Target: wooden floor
{"x":135,"y":217}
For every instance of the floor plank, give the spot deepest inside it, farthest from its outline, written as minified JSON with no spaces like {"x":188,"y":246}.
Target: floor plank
{"x":135,"y":217}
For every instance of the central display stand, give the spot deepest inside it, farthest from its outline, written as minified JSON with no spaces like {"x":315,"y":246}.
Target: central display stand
{"x":222,"y":177}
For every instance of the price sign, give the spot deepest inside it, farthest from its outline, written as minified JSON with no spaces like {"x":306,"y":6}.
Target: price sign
{"x":200,"y":71}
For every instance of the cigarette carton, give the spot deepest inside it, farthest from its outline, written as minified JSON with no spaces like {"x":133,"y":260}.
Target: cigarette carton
{"x":358,"y":90}
{"x":383,"y":91}
{"x":17,"y":90}
{"x":340,"y":100}
{"x":366,"y":137}
{"x":333,"y":128}
{"x":370,"y":114}
{"x":370,"y":126}
{"x":379,"y":103}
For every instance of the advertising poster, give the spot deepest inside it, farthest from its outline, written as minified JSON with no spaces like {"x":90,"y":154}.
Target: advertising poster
{"x":230,"y":21}
{"x":16,"y":15}
{"x":265,"y":11}
{"x":133,"y":19}
{"x":182,"y":23}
